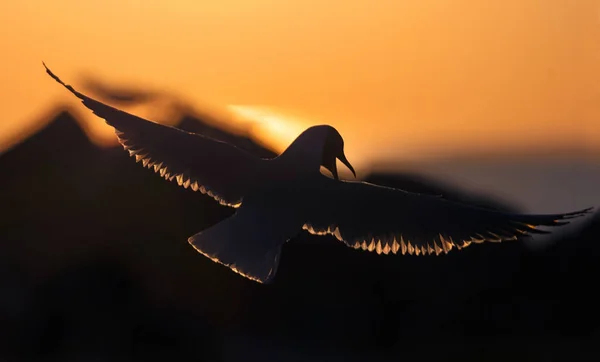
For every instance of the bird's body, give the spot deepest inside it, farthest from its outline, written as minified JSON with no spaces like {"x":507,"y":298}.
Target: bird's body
{"x":277,"y":198}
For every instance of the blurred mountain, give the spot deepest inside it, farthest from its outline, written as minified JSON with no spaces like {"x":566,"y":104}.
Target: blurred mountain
{"x":95,"y":263}
{"x":121,"y":94}
{"x":420,"y":184}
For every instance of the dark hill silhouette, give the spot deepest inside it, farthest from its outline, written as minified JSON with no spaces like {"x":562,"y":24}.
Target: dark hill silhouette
{"x":191,"y":123}
{"x":420,"y":184}
{"x":94,"y":254}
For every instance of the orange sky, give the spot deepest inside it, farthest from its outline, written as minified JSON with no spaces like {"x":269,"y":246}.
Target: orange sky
{"x":395,"y":77}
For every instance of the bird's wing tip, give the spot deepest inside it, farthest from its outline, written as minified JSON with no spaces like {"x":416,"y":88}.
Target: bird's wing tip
{"x":578,"y":213}
{"x":70,"y":88}
{"x":47,"y":69}
{"x":50,"y":73}
{"x":583,"y":212}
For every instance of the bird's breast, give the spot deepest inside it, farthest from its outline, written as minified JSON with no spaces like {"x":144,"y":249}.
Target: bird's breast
{"x":287,"y":190}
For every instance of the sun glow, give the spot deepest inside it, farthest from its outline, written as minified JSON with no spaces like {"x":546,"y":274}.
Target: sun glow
{"x":460,"y":76}
{"x":269,"y":126}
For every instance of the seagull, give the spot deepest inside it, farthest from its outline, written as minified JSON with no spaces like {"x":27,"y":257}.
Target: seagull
{"x":275,"y":199}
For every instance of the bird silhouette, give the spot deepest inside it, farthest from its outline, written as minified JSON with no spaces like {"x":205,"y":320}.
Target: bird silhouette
{"x":278,"y":197}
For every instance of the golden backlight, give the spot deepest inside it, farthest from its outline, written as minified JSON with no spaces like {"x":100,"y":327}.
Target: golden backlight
{"x":275,"y":130}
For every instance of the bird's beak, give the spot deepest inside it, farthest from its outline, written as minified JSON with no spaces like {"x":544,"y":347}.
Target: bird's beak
{"x":345,"y":161}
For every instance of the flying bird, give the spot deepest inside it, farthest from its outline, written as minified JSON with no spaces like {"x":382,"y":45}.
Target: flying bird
{"x":277,"y":198}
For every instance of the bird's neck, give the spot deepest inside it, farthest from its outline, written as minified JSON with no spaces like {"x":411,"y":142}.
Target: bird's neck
{"x":303,"y":155}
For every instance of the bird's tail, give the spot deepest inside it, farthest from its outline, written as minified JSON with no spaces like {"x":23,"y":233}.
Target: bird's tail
{"x":249,"y":243}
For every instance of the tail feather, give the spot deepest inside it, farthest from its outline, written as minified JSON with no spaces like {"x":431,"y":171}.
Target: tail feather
{"x":249,"y":243}
{"x":259,"y":265}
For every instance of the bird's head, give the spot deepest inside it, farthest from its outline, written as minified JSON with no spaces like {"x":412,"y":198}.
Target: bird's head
{"x":327,"y":146}
{"x":333,"y":150}
{"x":319,"y":145}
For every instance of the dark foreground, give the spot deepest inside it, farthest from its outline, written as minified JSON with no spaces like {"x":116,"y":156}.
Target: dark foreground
{"x":94,"y":265}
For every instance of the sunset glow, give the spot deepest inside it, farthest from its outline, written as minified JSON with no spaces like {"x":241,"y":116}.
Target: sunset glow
{"x":396,"y":78}
{"x":275,"y":130}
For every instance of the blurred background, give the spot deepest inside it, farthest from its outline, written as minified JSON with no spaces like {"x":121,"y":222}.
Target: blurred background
{"x":494,"y":103}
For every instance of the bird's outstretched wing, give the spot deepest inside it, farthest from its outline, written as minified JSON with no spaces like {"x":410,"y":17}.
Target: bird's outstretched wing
{"x":212,"y":167}
{"x":383,"y":219}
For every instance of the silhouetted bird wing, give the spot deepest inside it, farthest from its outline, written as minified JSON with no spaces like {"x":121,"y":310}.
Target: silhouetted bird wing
{"x":383,"y":219}
{"x":216,"y":168}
